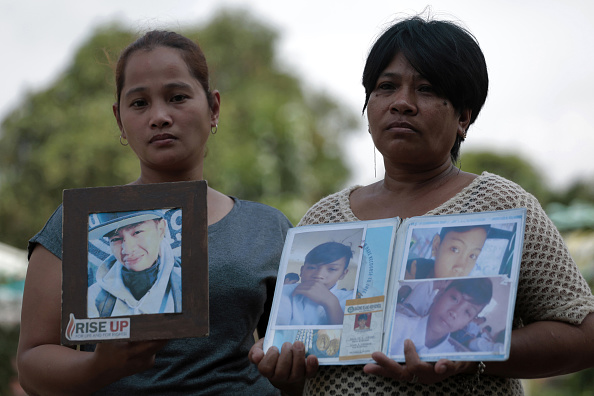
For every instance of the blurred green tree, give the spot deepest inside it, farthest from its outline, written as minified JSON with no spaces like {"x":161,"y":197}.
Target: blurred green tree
{"x":510,"y":166}
{"x":515,"y":168}
{"x":278,"y":143}
{"x":578,"y":191}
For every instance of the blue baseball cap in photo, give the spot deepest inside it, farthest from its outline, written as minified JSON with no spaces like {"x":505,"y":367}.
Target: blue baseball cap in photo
{"x":109,"y":222}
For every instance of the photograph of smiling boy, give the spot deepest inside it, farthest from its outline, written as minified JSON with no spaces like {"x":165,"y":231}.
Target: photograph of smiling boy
{"x":451,"y":310}
{"x":141,"y":275}
{"x":455,"y":251}
{"x":317,"y":300}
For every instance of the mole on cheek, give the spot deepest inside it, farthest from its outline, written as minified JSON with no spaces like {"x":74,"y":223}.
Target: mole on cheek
{"x":445,"y":102}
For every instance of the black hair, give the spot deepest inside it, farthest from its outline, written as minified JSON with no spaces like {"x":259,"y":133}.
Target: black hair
{"x":446,"y":54}
{"x":445,"y":230}
{"x":329,"y":252}
{"x":480,"y":290}
{"x":362,"y":316}
{"x":189,"y":50}
{"x":292,"y":276}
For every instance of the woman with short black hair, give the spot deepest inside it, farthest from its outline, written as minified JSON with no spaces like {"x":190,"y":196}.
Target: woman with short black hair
{"x":425,"y":84}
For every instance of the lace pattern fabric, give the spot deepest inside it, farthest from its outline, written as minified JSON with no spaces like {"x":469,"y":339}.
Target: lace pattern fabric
{"x":550,"y":287}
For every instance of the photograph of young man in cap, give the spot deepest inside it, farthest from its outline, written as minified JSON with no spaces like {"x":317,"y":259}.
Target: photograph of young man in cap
{"x":141,"y":275}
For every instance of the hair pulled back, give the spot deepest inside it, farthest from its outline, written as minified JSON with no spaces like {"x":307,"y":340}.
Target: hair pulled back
{"x":190,"y":52}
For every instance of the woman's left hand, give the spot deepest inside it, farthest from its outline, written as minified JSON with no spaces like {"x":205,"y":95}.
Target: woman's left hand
{"x":415,"y":370}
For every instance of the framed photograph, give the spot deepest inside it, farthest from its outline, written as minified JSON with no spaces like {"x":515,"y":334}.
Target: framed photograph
{"x":135,"y":263}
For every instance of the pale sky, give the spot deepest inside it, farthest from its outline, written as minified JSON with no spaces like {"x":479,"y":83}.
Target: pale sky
{"x":539,"y":54}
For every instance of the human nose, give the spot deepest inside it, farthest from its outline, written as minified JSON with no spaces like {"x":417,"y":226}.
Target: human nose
{"x":461,"y":266}
{"x":458,"y":269}
{"x":128,"y":245}
{"x":455,"y":311}
{"x":160,"y":116}
{"x":403,"y":102}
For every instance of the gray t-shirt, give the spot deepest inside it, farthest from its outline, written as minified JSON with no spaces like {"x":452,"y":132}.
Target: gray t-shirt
{"x":244,"y":251}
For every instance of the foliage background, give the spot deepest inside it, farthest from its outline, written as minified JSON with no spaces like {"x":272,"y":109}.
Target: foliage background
{"x":278,"y":142}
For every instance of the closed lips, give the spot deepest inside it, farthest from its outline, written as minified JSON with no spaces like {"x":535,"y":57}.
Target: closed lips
{"x":401,"y":125}
{"x":163,"y":136}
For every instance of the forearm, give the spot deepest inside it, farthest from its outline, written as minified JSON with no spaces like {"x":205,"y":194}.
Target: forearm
{"x":45,"y":367}
{"x":54,"y":369}
{"x":334,"y":311}
{"x":548,"y":348}
{"x":58,"y":370}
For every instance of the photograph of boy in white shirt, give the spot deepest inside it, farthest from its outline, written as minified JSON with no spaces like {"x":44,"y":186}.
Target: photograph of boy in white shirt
{"x":451,"y":310}
{"x":317,"y":300}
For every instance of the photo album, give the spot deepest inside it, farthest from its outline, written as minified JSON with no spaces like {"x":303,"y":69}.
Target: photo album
{"x":447,"y":282}
{"x":134,"y":263}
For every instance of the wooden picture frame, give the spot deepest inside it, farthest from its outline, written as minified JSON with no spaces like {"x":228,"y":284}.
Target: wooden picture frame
{"x":81,"y":206}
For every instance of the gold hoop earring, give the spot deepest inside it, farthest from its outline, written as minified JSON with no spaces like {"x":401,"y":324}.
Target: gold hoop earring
{"x":215,"y":129}
{"x":122,"y":143}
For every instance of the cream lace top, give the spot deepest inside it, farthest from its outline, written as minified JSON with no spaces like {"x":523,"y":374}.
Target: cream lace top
{"x":550,"y":288}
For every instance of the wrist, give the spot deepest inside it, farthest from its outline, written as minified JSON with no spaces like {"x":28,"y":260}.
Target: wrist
{"x":330,"y":302}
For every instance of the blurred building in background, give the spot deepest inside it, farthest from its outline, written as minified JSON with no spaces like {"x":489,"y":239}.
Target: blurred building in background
{"x":13,"y":268}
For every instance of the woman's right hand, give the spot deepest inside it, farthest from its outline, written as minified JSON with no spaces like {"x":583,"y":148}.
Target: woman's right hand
{"x":126,"y":358}
{"x":286,"y":370}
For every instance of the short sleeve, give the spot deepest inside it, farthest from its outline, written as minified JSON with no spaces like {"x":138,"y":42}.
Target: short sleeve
{"x":50,"y":236}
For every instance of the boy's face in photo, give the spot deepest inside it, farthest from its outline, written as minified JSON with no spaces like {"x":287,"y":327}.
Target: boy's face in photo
{"x":362,"y":322}
{"x":137,"y":245}
{"x":327,"y":274}
{"x":457,"y":253}
{"x":451,"y":311}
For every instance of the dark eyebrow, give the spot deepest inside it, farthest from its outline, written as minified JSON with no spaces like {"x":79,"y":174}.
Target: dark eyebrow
{"x":388,"y":75}
{"x":471,"y":300}
{"x":459,"y":240}
{"x":134,"y":91}
{"x":132,"y":226}
{"x":173,"y":85}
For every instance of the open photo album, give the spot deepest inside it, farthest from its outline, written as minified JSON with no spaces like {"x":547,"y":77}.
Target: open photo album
{"x":448,"y":283}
